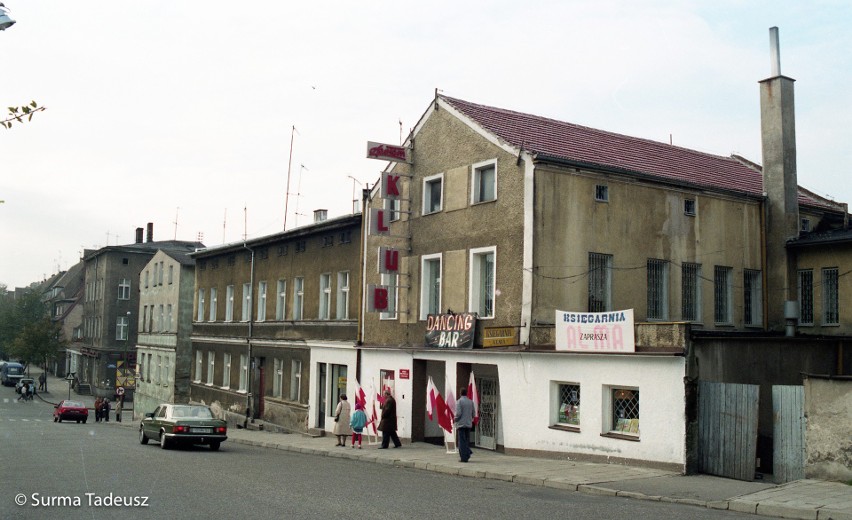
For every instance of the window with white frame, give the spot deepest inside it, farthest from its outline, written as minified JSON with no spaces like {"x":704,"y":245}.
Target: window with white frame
{"x":342,"y":295}
{"x":161,"y":318}
{"x":658,"y":289}
{"x":168,"y":317}
{"x":143,"y":326}
{"x":325,"y":296}
{"x":806,"y":296}
{"x":150,"y":368}
{"x":229,"y":303}
{"x":199,"y":365}
{"x":625,"y":411}
{"x":298,"y":297}
{"x":246,"y":302}
{"x":568,"y":404}
{"x":200,"y":316}
{"x":390,"y":281}
{"x":124,"y":289}
{"x":484,"y":181}
{"x":243,"y":372}
{"x":158,"y":373}
{"x":167,"y":374}
{"x":162,"y":269}
{"x":722,"y":294}
{"x":690,"y":290}
{"x":122,"y":324}
{"x":213,"y":303}
{"x":393,"y":207}
{"x":171,"y":274}
{"x":281,"y":301}
{"x":430,"y":285}
{"x":482,"y":281}
{"x":689,"y":207}
{"x":296,"y":380}
{"x":211,"y":366}
{"x":752,"y":298}
{"x":226,"y":370}
{"x":277,"y":377}
{"x":602,"y":193}
{"x":433,"y":191}
{"x":600,"y":282}
{"x":830,"y":296}
{"x":261,"y":301}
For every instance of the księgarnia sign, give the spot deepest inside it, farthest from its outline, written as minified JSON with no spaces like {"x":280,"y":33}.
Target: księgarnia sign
{"x":603,"y":332}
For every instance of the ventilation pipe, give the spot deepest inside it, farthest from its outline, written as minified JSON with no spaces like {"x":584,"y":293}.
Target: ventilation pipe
{"x":791,"y":317}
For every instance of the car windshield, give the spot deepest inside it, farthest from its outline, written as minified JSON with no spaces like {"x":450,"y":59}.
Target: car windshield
{"x":72,"y":404}
{"x":196,"y":412}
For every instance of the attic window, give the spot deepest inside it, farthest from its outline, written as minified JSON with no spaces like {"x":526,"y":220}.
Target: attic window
{"x":125,"y":261}
{"x":602,"y":193}
{"x":689,"y":207}
{"x":806,"y":225}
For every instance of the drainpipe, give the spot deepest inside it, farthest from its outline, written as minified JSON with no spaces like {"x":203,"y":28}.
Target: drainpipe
{"x":248,"y":342}
{"x":365,"y":195}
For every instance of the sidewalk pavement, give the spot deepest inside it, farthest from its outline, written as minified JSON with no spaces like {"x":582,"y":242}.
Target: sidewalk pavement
{"x":803,"y":499}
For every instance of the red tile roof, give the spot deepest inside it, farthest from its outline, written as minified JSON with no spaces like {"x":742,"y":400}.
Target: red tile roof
{"x":549,"y":138}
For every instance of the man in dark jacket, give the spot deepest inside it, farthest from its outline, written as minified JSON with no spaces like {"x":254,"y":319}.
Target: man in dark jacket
{"x":388,"y":423}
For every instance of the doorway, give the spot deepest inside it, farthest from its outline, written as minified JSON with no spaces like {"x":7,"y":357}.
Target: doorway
{"x":323,"y":395}
{"x":486,"y":430}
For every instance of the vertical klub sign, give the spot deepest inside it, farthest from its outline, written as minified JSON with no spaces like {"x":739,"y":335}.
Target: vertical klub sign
{"x":380,"y":297}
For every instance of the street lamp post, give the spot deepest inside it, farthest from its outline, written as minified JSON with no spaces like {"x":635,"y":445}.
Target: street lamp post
{"x":6,"y":19}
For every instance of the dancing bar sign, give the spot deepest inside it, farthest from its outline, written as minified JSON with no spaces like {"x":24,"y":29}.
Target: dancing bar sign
{"x":450,"y":330}
{"x":601,"y":332}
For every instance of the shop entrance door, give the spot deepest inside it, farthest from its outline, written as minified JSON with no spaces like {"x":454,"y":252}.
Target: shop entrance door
{"x":486,"y":430}
{"x":322,"y":408}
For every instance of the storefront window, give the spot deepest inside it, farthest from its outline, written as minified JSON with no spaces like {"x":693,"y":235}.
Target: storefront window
{"x":625,"y":411}
{"x":568,"y":411}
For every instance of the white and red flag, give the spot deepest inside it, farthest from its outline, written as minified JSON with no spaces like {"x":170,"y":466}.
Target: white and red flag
{"x":360,"y":396}
{"x":431,"y":395}
{"x":473,"y":395}
{"x":451,"y":406}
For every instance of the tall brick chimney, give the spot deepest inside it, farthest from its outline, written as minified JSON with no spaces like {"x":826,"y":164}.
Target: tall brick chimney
{"x":150,"y":232}
{"x":780,"y":185}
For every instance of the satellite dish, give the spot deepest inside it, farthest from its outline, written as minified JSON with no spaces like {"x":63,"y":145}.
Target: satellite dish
{"x":6,"y":20}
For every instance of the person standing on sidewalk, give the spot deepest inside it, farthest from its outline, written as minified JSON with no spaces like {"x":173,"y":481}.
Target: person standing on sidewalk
{"x":118,"y":406}
{"x":41,"y":382}
{"x":359,"y":420}
{"x":464,"y":422}
{"x":388,"y":423}
{"x":99,"y":404}
{"x":341,"y":420}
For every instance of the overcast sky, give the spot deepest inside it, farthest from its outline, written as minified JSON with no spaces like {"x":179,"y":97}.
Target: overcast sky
{"x":181,"y":111}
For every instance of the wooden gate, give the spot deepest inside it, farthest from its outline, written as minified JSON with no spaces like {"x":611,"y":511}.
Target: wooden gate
{"x":788,"y":433}
{"x":727,"y":429}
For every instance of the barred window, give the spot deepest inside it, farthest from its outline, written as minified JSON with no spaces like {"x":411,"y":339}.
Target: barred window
{"x":752,"y":298}
{"x":658,"y":289}
{"x":625,"y":411}
{"x":568,"y":407}
{"x":806,"y":297}
{"x":690,"y":292}
{"x":600,"y":282}
{"x":602,"y":193}
{"x":722,"y":289}
{"x":830,"y":304}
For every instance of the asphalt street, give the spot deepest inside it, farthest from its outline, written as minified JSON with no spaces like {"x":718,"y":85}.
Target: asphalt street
{"x":76,"y":471}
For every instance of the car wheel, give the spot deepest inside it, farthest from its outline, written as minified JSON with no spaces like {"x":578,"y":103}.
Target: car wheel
{"x":164,"y":441}
{"x":143,"y":439}
{"x":214,"y":446}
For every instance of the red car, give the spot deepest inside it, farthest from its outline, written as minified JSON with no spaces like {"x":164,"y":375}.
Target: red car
{"x":70,"y":411}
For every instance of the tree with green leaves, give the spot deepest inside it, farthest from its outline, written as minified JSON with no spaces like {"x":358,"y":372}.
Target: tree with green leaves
{"x":38,"y":342}
{"x":16,"y":315}
{"x":21,"y":113}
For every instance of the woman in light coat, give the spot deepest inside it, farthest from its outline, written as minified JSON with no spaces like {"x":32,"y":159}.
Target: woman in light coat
{"x":341,"y":420}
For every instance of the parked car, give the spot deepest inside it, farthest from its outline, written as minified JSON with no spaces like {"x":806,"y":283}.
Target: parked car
{"x":70,"y":411}
{"x":183,"y":423}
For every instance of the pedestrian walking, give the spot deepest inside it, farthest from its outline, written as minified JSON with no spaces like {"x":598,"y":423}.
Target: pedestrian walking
{"x":464,"y":422}
{"x":42,"y":381}
{"x":118,"y":408}
{"x":341,"y":420}
{"x":388,"y":423}
{"x":105,"y":410}
{"x":99,"y":404}
{"x":358,"y":421}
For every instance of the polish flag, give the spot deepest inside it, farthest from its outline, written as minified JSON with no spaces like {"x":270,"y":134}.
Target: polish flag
{"x":445,"y":420}
{"x":473,"y":395}
{"x":360,"y":396}
{"x":431,"y":398}
{"x":451,"y":406}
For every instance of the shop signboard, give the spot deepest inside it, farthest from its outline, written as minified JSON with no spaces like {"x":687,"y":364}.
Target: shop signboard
{"x":450,"y":330}
{"x":601,"y":332}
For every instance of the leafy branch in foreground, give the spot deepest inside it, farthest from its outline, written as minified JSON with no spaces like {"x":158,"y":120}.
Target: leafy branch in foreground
{"x":20,"y":113}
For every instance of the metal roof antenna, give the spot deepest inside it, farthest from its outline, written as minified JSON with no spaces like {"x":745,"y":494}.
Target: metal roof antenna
{"x":775,"y":51}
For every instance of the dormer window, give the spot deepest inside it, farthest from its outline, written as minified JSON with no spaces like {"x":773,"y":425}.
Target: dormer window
{"x":806,"y":225}
{"x":602,"y":193}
